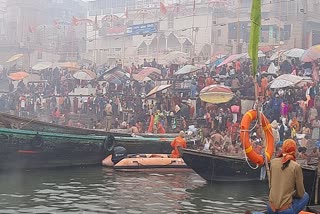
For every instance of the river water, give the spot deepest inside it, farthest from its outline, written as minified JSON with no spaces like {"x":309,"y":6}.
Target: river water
{"x":103,"y":190}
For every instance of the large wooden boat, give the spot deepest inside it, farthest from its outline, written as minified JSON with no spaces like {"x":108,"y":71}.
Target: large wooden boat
{"x":15,"y":122}
{"x":22,"y":149}
{"x":220,"y":168}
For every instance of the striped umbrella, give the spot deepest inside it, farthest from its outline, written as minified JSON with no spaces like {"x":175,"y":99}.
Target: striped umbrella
{"x":216,"y":94}
{"x":311,"y":54}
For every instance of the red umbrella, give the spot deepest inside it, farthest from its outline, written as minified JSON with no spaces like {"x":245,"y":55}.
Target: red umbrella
{"x":20,"y":75}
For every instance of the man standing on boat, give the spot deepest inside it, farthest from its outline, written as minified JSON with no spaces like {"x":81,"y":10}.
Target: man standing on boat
{"x":287,"y":194}
{"x":178,"y":142}
{"x":108,"y":111}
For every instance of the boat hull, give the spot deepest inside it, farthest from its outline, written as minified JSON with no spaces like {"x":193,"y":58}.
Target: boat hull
{"x":21,"y":149}
{"x":159,"y":143}
{"x":217,"y":168}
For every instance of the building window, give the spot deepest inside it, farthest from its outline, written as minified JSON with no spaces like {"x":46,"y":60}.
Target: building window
{"x":39,"y":54}
{"x":171,"y":21}
{"x":219,"y":33}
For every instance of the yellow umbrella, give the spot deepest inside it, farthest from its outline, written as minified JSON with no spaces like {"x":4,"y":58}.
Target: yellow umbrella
{"x":15,"y":57}
{"x":216,"y":94}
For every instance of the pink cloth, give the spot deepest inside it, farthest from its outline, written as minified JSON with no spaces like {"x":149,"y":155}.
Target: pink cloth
{"x":284,"y":109}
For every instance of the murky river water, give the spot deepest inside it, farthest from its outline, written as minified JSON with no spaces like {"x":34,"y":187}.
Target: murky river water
{"x":102,"y":190}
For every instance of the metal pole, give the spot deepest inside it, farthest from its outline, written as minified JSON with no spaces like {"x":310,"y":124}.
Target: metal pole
{"x":238,"y":28}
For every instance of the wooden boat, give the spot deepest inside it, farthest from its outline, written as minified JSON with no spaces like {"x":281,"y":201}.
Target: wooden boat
{"x":220,"y":168}
{"x":22,"y":149}
{"x":15,"y":122}
{"x":147,"y":162}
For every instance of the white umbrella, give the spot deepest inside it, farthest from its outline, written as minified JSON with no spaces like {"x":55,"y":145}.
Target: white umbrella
{"x":82,"y":75}
{"x":14,"y":57}
{"x":294,"y":53}
{"x":158,"y":89}
{"x":285,"y":80}
{"x":42,"y":65}
{"x":176,"y":57}
{"x":187,"y":69}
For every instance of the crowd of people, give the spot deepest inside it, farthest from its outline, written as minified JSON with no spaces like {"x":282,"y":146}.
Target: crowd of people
{"x":122,"y":103}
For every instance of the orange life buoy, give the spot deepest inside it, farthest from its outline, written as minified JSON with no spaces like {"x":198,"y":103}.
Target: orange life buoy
{"x":245,"y":138}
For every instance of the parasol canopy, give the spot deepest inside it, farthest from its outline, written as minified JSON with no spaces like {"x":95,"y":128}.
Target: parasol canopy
{"x":304,"y":81}
{"x":216,"y":94}
{"x":294,"y":53}
{"x":14,"y":57}
{"x":260,"y":55}
{"x":42,"y":66}
{"x":150,"y":72}
{"x":115,"y":75}
{"x":20,"y":75}
{"x":232,"y":58}
{"x":311,"y":54}
{"x":187,"y":69}
{"x":70,"y":65}
{"x":176,"y":57}
{"x":85,"y":75}
{"x":285,"y":80}
{"x":157,"y":89}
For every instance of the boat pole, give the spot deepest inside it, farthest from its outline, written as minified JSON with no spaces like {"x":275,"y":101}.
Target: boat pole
{"x":253,"y":53}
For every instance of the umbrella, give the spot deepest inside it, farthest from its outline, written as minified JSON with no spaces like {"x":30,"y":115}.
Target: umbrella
{"x":115,"y":75}
{"x":176,"y":57}
{"x":260,"y":54}
{"x":147,"y":72}
{"x":311,"y":54}
{"x":294,"y":53}
{"x":187,"y":69}
{"x":285,"y":80}
{"x":231,"y":59}
{"x":42,"y":66}
{"x":304,"y":81}
{"x":216,"y":94}
{"x":157,"y":89}
{"x":83,"y":75}
{"x":69,"y":65}
{"x":15,"y":57}
{"x":20,"y":75}
{"x":276,"y":55}
{"x":136,"y":77}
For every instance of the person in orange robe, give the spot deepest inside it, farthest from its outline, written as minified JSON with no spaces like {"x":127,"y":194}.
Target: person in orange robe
{"x":178,"y":142}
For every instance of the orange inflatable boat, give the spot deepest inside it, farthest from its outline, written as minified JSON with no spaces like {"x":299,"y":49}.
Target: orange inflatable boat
{"x":147,"y":162}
